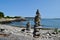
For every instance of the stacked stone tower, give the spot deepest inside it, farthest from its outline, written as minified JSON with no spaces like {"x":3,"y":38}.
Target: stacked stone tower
{"x":28,"y":27}
{"x":37,"y":24}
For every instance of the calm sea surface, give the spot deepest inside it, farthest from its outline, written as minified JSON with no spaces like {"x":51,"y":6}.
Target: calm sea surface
{"x":53,"y":23}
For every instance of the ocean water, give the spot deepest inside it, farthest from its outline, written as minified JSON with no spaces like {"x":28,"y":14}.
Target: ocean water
{"x":52,"y":23}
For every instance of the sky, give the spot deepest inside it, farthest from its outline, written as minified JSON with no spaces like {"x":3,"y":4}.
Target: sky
{"x":28,"y":8}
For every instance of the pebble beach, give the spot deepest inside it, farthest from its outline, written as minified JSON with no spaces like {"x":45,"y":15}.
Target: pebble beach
{"x":16,"y":34}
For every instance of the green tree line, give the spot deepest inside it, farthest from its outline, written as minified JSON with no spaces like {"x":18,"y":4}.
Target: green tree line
{"x":1,"y":15}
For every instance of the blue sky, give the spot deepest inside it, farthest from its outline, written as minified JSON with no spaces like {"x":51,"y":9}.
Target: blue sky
{"x":25,"y":8}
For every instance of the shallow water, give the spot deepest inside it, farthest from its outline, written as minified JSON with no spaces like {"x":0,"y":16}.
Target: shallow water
{"x":53,"y":23}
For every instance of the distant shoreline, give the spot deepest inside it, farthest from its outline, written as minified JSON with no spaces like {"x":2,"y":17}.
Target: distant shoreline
{"x":44,"y":22}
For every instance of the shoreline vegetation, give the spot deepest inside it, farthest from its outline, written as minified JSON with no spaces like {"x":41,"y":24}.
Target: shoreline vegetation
{"x":7,"y":19}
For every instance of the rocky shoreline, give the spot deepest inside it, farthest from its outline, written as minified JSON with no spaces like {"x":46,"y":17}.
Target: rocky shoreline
{"x":6,"y":21}
{"x":17,"y":34}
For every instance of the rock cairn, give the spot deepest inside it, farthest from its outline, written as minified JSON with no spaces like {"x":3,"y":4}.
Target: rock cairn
{"x":37,"y":18}
{"x":28,"y":27}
